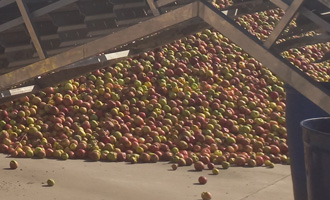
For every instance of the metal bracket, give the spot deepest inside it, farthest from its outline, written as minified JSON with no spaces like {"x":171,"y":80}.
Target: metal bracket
{"x":9,"y":95}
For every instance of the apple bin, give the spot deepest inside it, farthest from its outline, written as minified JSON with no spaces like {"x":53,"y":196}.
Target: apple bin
{"x":298,"y":109}
{"x":316,"y":136}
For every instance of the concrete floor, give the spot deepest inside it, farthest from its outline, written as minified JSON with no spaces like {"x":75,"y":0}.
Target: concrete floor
{"x":78,"y":179}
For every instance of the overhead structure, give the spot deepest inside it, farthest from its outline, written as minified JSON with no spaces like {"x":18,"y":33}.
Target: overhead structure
{"x":40,"y":38}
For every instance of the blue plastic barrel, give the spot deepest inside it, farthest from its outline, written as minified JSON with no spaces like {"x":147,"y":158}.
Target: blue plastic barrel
{"x":299,"y":108}
{"x":316,"y":136}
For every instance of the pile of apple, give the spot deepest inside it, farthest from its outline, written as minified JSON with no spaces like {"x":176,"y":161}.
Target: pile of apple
{"x":262,"y":23}
{"x":201,"y":98}
{"x":222,"y":4}
{"x":304,"y":58}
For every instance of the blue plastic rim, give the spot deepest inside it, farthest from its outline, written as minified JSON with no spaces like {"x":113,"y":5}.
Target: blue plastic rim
{"x":320,"y":124}
{"x":316,"y":136}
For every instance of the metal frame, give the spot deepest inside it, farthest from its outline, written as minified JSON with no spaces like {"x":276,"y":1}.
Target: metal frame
{"x":79,"y":68}
{"x":10,"y":95}
{"x":68,"y":72}
{"x":129,"y":5}
{"x":153,"y":7}
{"x":160,"y":3}
{"x":167,"y":36}
{"x":316,"y":19}
{"x":4,"y":3}
{"x":307,"y":13}
{"x":286,"y":19}
{"x":298,"y":42}
{"x":280,"y":4}
{"x":202,"y":10}
{"x":303,"y":29}
{"x":37,"y":13}
{"x":119,"y":38}
{"x":326,"y":2}
{"x":31,"y":28}
{"x":98,"y":62}
{"x":247,"y":7}
{"x":287,"y":72}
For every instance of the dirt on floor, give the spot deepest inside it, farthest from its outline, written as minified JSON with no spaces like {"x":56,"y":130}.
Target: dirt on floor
{"x":83,"y":180}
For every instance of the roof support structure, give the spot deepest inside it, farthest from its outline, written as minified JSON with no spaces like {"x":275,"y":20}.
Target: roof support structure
{"x":37,"y":13}
{"x":326,"y":2}
{"x":280,"y":4}
{"x":167,"y":36}
{"x":117,"y":39}
{"x":80,"y":68}
{"x":31,"y":28}
{"x":153,"y":7}
{"x":76,"y":69}
{"x":10,"y":95}
{"x":69,"y":72}
{"x":144,"y":31}
{"x":160,"y":3}
{"x":307,"y":13}
{"x":4,"y":3}
{"x":287,"y":72}
{"x":316,"y":19}
{"x":298,"y":42}
{"x":286,"y":19}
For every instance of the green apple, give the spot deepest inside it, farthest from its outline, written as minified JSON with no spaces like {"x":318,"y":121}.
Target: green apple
{"x":50,"y":182}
